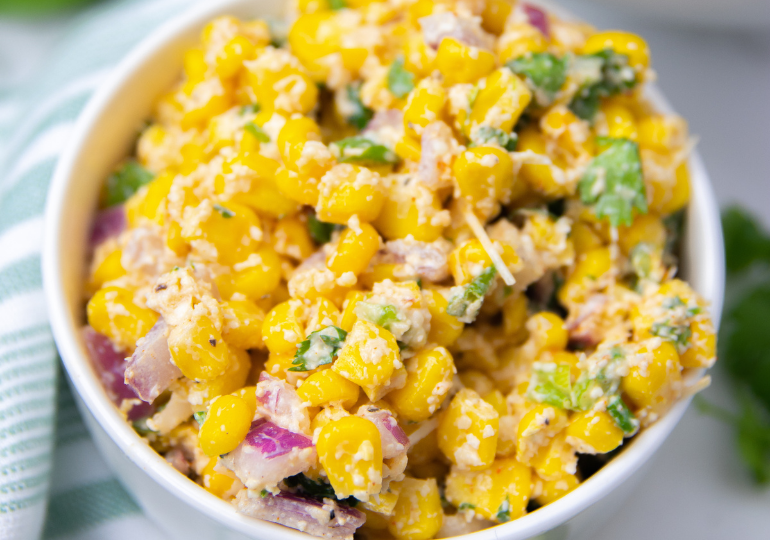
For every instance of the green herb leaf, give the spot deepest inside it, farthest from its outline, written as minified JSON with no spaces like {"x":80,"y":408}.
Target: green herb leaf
{"x":550,"y":383}
{"x":622,"y":415}
{"x":466,"y":506}
{"x":257,"y":132}
{"x":504,"y":512}
{"x":400,"y":81}
{"x":200,"y":417}
{"x":251,"y":108}
{"x":613,"y":182}
{"x":641,"y":260}
{"x":264,"y":493}
{"x":361,"y":150}
{"x":544,"y":73}
{"x":319,"y":348}
{"x":125,"y":182}
{"x":679,"y":335}
{"x":600,"y":75}
{"x":380,"y":314}
{"x":486,"y":134}
{"x":606,"y":380}
{"x":467,"y":302}
{"x":227,"y":214}
{"x":336,"y":5}
{"x":141,"y":427}
{"x":361,"y":114}
{"x":745,"y":241}
{"x":316,"y":489}
{"x":320,"y":231}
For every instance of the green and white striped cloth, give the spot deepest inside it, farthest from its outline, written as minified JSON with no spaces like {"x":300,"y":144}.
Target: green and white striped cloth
{"x":47,"y":460}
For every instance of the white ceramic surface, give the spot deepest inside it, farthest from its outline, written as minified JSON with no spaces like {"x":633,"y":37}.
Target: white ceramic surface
{"x":103,"y":136}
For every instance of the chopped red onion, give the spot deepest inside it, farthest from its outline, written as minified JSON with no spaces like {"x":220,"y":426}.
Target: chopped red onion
{"x":390,"y":118}
{"x":325,"y":519}
{"x":394,"y":440}
{"x":440,"y":25}
{"x":538,"y":18}
{"x":427,"y":260}
{"x":269,"y":454}
{"x":111,"y":366}
{"x":178,"y":460}
{"x":278,"y":402}
{"x":150,"y":371}
{"x":108,"y":223}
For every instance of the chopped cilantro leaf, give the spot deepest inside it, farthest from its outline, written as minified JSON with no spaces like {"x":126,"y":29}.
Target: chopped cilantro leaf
{"x":257,"y":132}
{"x":361,"y":150}
{"x":227,"y":214}
{"x":251,"y":108}
{"x":200,"y":417}
{"x":380,"y":314}
{"x":613,"y":182}
{"x":336,"y":5}
{"x":264,"y":493}
{"x":472,"y":295}
{"x":676,"y":334}
{"x":316,"y":489}
{"x":606,"y":380}
{"x":641,"y":260}
{"x":141,"y":427}
{"x":320,"y":231}
{"x":486,"y":134}
{"x":504,"y":512}
{"x":622,"y":415}
{"x":400,"y":81}
{"x":361,"y":114}
{"x":125,"y":182}
{"x":602,"y":75}
{"x":544,"y":73}
{"x":318,"y":349}
{"x":466,"y":506}
{"x":550,"y":383}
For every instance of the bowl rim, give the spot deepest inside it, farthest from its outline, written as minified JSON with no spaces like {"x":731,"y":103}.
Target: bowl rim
{"x":90,"y":390}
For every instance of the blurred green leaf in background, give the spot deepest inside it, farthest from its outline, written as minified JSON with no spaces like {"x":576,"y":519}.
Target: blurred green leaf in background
{"x":38,"y":8}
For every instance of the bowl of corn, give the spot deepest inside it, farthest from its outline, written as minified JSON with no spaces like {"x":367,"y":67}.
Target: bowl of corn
{"x":389,"y":269}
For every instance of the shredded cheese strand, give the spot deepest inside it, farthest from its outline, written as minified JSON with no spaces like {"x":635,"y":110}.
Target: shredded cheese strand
{"x":423,"y":431}
{"x":486,"y":243}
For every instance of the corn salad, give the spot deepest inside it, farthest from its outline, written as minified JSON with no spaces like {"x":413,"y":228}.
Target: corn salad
{"x":408,"y":266}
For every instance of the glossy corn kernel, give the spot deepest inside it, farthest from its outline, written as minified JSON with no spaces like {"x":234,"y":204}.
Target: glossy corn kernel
{"x":497,"y":400}
{"x":174,"y":240}
{"x":355,"y":249}
{"x":195,"y":65}
{"x":216,"y":482}
{"x":584,"y":238}
{"x":667,"y":198}
{"x":702,"y":350}
{"x":548,"y":331}
{"x":444,"y":328}
{"x":369,"y":357}
{"x":553,"y":490}
{"x":541,"y":177}
{"x":233,"y":230}
{"x":264,"y":195}
{"x":233,"y":378}
{"x":411,"y":210}
{"x":662,"y":133}
{"x":350,"y":452}
{"x":249,"y":395}
{"x":476,"y":381}
{"x":328,"y":388}
{"x":461,"y":63}
{"x":226,"y":425}
{"x":198,"y":350}
{"x":556,"y":459}
{"x":428,"y":380}
{"x":651,"y":375}
{"x":424,"y":105}
{"x":590,"y":267}
{"x":280,"y":364}
{"x":515,"y":315}
{"x":282,"y":329}
{"x":571,"y":133}
{"x":626,"y":43}
{"x":204,"y":100}
{"x":113,"y":313}
{"x":110,"y":268}
{"x":242,"y":324}
{"x":536,"y":429}
{"x":499,"y":492}
{"x":260,"y":277}
{"x":621,"y":123}
{"x":470,"y":259}
{"x":291,"y":238}
{"x":349,"y":317}
{"x":321,"y":314}
{"x":279,"y":82}
{"x":495,"y":14}
{"x":519,"y":40}
{"x":153,"y":204}
{"x":485,"y":178}
{"x":349,"y":190}
{"x":500,"y":103}
{"x":646,"y":228}
{"x":230,"y":59}
{"x":408,"y":148}
{"x":467,"y":432}
{"x":594,"y":432}
{"x":417,"y":514}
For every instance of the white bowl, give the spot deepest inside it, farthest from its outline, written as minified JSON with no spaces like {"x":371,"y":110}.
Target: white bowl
{"x":105,"y":133}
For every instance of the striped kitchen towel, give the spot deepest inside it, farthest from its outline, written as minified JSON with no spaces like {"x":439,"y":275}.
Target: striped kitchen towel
{"x":46,"y":456}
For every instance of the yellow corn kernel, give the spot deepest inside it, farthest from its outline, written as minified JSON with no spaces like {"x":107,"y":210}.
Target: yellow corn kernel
{"x":467,"y":432}
{"x":349,"y":190}
{"x":264,"y":195}
{"x":626,"y":43}
{"x":215,"y":482}
{"x":408,"y":148}
{"x":649,"y":380}
{"x":242,"y":324}
{"x":113,"y":313}
{"x":203,"y":100}
{"x":702,"y":350}
{"x":411,"y":210}
{"x":484,"y":177}
{"x":500,"y":492}
{"x":495,"y":14}
{"x":260,"y":279}
{"x":620,"y":121}
{"x":667,"y":199}
{"x":355,"y":249}
{"x":497,"y":400}
{"x":571,"y":133}
{"x":540,"y":177}
{"x":461,"y":63}
{"x":444,"y":328}
{"x":470,"y":259}
{"x":423,"y":106}
{"x":500,"y":103}
{"x":326,"y":388}
{"x":594,"y":432}
{"x":548,"y":331}
{"x":230,"y":59}
{"x":291,"y":238}
{"x":584,"y":238}
{"x":568,"y":358}
{"x":589,"y":268}
{"x":520,"y":40}
{"x":282,"y":330}
{"x":198,"y":350}
{"x":646,"y":228}
{"x":226,"y":425}
{"x":515,"y":315}
{"x":249,"y":395}
{"x":292,"y":137}
{"x":350,"y":452}
{"x":279,"y":364}
{"x":379,"y":272}
{"x":476,"y":381}
{"x":153,"y":204}
{"x":349,"y":316}
{"x":110,"y":268}
{"x":316,"y":36}
{"x":321,"y":314}
{"x":536,"y":428}
{"x":369,"y":357}
{"x":662,"y":133}
{"x":417,"y":514}
{"x":555,"y":459}
{"x":428,"y":380}
{"x":230,"y":229}
{"x":233,"y":378}
{"x":553,"y":490}
{"x":418,"y":57}
{"x":195,"y":65}
{"x":279,"y":82}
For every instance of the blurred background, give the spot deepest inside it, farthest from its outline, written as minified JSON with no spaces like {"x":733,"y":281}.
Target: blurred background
{"x":713,"y":63}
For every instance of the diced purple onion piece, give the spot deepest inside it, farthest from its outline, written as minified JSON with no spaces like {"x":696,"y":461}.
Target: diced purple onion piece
{"x":392,"y":118}
{"x":430,"y":260}
{"x":394,"y":440}
{"x":111,"y":366}
{"x":108,"y":223}
{"x":178,"y":460}
{"x":322,"y":519}
{"x":440,"y":25}
{"x":278,"y":402}
{"x":269,"y":454}
{"x":150,"y":370}
{"x":538,"y":18}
